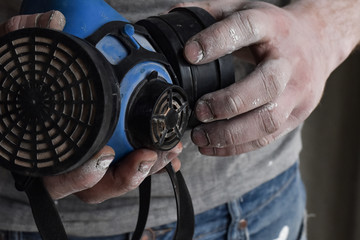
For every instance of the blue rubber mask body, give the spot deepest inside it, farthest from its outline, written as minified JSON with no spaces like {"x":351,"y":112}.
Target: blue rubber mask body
{"x":83,"y":18}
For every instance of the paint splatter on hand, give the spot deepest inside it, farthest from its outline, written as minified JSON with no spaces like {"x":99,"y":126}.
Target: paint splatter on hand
{"x":294,"y":50}
{"x":97,"y":181}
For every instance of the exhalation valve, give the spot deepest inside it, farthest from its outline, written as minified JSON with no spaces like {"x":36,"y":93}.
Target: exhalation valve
{"x":158,"y":115}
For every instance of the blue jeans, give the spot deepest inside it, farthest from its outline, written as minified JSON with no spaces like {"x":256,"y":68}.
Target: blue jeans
{"x":273,"y":211}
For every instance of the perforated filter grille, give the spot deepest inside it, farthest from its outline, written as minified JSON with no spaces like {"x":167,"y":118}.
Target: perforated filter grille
{"x":169,"y":119}
{"x":47,"y":102}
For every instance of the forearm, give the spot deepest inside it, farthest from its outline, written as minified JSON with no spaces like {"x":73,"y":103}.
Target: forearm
{"x":337,"y":25}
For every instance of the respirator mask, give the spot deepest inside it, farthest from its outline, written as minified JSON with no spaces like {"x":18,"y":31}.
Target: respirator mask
{"x":102,"y":81}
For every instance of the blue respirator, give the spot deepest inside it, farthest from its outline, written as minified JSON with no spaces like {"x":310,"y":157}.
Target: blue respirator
{"x":102,"y":81}
{"x":64,"y":95}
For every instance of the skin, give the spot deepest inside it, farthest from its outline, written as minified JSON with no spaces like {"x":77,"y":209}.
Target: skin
{"x":95,"y":181}
{"x":294,"y":48}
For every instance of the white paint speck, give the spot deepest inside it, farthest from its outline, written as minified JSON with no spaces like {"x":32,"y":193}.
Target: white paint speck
{"x":256,"y":102}
{"x":271,"y":106}
{"x":270,"y":163}
{"x":268,"y":107}
{"x":200,"y":56}
{"x":284,"y":233}
{"x":233,"y":35}
{"x":104,"y":164}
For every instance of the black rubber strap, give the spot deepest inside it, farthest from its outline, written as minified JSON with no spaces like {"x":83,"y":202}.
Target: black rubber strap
{"x":45,"y":214}
{"x":185,"y":211}
{"x":47,"y":218}
{"x":50,"y":226}
{"x":145,"y":195}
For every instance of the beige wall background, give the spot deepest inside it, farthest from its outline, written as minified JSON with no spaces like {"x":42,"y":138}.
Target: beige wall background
{"x":330,"y":157}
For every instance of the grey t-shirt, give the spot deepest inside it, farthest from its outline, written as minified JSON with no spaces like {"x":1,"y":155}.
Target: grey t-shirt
{"x":211,"y":180}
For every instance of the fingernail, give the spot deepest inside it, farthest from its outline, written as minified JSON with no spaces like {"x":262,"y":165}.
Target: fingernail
{"x":146,"y":166}
{"x":56,"y":20}
{"x":208,"y":151}
{"x":193,"y":52}
{"x":104,"y":162}
{"x":200,"y":137}
{"x":203,"y":111}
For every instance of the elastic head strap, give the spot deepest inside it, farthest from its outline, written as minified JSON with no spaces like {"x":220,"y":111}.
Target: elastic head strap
{"x":44,"y":211}
{"x":185,"y":211}
{"x":50,"y":226}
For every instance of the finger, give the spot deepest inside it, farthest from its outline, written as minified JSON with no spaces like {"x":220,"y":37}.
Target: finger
{"x":245,"y":147}
{"x":241,"y":29}
{"x":241,"y":129}
{"x":52,"y":19}
{"x":164,"y":157}
{"x":249,"y":127}
{"x":296,"y":117}
{"x":84,"y":177}
{"x":122,"y":178}
{"x":262,"y":86}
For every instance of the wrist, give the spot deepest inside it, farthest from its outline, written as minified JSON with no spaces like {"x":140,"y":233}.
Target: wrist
{"x":335,"y":24}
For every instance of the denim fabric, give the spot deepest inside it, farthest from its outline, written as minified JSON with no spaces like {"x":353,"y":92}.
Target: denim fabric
{"x":273,"y":211}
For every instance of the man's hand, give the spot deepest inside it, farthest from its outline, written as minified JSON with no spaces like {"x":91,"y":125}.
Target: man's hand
{"x":95,"y":181}
{"x":294,"y":48}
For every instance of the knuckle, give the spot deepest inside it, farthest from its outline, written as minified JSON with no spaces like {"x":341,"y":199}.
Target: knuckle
{"x":224,"y":134}
{"x":12,"y":24}
{"x":272,"y":83}
{"x":229,"y":138}
{"x":233,"y":103}
{"x":246,"y":23}
{"x":269,"y":120}
{"x":274,"y":76}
